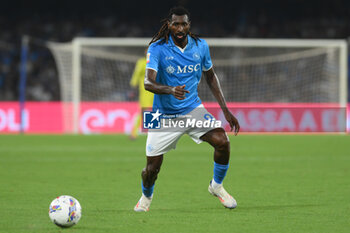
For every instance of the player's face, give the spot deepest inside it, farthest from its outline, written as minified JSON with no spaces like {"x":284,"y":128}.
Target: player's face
{"x":179,"y":27}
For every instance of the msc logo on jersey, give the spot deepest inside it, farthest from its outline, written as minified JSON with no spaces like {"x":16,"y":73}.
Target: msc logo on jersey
{"x":182,"y":69}
{"x":187,"y":69}
{"x":151,"y":120}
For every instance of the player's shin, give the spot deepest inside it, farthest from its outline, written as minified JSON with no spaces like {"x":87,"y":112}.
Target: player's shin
{"x":220,"y":171}
{"x":148,"y":179}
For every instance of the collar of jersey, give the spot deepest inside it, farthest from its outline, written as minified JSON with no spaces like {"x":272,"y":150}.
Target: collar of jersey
{"x":172,"y":43}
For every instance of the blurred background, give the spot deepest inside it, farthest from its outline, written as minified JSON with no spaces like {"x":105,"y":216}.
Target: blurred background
{"x":61,"y":21}
{"x":316,"y":79}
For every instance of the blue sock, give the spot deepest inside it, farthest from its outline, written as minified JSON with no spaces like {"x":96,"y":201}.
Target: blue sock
{"x":220,"y":172}
{"x":147,"y":191}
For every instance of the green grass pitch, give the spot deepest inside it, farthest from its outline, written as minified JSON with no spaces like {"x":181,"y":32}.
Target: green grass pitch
{"x":282,"y":183}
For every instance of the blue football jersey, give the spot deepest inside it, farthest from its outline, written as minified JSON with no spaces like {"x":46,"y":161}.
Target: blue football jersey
{"x":177,"y":67}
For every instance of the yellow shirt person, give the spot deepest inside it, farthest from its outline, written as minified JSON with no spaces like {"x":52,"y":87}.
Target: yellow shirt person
{"x":145,"y":97}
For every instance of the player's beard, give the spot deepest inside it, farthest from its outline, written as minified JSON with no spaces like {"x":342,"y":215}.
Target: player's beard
{"x":180,"y":40}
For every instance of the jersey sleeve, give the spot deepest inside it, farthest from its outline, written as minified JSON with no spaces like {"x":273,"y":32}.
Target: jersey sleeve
{"x":153,"y":57}
{"x":206,"y":63}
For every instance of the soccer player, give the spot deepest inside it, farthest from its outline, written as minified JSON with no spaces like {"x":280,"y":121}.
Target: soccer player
{"x":145,"y":97}
{"x":176,"y":59}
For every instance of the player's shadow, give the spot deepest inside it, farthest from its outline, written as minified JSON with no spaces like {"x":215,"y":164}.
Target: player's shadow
{"x":244,"y":208}
{"x":209,"y":209}
{"x":276,"y":207}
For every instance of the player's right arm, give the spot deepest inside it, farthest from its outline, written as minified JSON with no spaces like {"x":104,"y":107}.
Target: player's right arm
{"x":151,"y":85}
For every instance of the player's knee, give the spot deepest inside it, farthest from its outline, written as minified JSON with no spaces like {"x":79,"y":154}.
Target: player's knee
{"x":152,"y":170}
{"x":153,"y":165}
{"x":222,"y":142}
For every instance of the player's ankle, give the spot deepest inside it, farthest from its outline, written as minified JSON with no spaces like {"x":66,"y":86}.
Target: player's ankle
{"x":214,"y":184}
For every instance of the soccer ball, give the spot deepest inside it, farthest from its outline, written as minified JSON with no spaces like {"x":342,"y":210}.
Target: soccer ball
{"x":65,"y":211}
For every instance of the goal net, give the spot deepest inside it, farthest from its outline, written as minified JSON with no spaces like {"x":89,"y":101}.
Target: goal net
{"x":249,"y":70}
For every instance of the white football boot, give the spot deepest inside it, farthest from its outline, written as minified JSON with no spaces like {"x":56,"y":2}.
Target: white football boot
{"x":143,"y":204}
{"x":226,"y":199}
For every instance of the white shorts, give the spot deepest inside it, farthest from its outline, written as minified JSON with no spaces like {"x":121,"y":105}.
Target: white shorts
{"x":162,"y":140}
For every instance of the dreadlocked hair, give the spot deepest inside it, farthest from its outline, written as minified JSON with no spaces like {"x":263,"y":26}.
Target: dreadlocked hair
{"x":164,"y":31}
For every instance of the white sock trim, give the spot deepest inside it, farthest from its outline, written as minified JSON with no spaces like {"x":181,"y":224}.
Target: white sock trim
{"x":214,"y":184}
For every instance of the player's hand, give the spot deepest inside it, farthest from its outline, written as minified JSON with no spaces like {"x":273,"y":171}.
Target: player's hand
{"x":232,"y":120}
{"x":179,"y":92}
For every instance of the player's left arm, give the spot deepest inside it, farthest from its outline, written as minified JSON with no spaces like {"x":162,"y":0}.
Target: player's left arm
{"x":215,"y":88}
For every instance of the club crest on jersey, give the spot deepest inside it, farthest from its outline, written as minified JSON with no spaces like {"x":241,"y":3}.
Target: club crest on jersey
{"x":196,"y":56}
{"x":170,"y":69}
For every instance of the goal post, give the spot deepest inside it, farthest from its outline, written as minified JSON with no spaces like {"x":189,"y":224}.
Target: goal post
{"x":70,"y":58}
{"x":250,"y":71}
{"x":76,"y":82}
{"x":297,"y":43}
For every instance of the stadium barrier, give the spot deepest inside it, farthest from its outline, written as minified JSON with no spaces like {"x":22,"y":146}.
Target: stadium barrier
{"x":250,"y":71}
{"x":118,"y":117}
